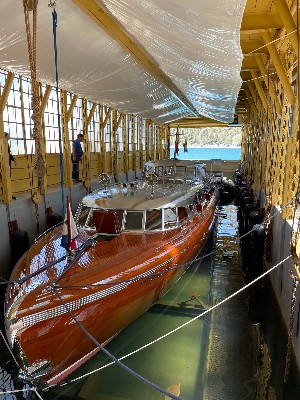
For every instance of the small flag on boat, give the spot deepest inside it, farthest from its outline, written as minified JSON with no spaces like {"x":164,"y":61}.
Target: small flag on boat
{"x":69,"y":232}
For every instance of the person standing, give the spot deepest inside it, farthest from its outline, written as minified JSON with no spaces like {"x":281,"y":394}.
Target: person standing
{"x":10,"y":157}
{"x":77,"y":153}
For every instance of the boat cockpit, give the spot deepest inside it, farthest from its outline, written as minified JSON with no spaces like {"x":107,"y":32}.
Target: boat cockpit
{"x":156,"y":203}
{"x":96,"y":221}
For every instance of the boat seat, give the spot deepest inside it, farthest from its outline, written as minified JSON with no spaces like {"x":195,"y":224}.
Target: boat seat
{"x":107,"y":222}
{"x":182,"y":213}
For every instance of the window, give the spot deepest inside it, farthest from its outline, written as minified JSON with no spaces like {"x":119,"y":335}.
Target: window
{"x":82,"y":215}
{"x":170,"y":218}
{"x":134,"y":220}
{"x":153,"y":219}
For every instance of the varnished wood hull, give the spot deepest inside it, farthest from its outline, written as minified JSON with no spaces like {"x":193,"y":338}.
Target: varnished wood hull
{"x":135,"y":271}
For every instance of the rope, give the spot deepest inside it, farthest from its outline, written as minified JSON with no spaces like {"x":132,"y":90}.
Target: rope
{"x":273,"y":41}
{"x":39,"y":162}
{"x":33,"y":389}
{"x":111,"y":356}
{"x":131,"y":280}
{"x":61,"y":163}
{"x":9,"y":349}
{"x":186,"y":323}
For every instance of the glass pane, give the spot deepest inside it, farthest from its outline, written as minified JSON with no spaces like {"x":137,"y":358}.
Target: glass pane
{"x":134,"y":220}
{"x":83,"y":214}
{"x":170,"y":217}
{"x":153,"y":219}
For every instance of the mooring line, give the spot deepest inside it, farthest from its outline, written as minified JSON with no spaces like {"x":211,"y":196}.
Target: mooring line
{"x":199,"y":259}
{"x":186,"y":323}
{"x":111,"y":356}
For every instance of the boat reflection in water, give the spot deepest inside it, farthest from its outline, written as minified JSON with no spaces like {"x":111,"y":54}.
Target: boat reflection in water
{"x":134,"y":241}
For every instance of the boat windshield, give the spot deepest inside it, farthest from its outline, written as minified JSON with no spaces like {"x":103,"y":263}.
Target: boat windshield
{"x":184,"y":172}
{"x":112,"y":222}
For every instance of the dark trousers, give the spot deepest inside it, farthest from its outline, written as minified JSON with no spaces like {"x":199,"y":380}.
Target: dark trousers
{"x":75,"y":171}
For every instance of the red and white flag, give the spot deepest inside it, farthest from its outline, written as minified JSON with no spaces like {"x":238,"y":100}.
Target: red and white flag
{"x":70,"y":231}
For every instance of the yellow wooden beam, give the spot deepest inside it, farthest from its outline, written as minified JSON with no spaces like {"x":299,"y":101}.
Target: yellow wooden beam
{"x":45,"y":99}
{"x":251,"y":102}
{"x":288,"y":21}
{"x":119,"y":121}
{"x":279,"y":67}
{"x":65,"y":138}
{"x":8,"y":83}
{"x":94,"y":106}
{"x":268,"y":81}
{"x":93,"y":10}
{"x":259,"y":21}
{"x":253,"y":46}
{"x":72,"y":105}
{"x":107,"y":116}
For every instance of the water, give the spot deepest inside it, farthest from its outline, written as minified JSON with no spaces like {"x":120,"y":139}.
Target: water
{"x":227,"y":354}
{"x":207,"y":153}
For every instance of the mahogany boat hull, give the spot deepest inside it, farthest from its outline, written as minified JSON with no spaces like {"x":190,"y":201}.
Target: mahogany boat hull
{"x":130,"y":273}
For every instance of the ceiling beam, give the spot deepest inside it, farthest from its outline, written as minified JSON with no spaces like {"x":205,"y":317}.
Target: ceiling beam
{"x":106,"y":22}
{"x":195,"y":123}
{"x":249,"y":63}
{"x":253,"y":46}
{"x":259,"y":21}
{"x":279,"y":67}
{"x":288,"y":22}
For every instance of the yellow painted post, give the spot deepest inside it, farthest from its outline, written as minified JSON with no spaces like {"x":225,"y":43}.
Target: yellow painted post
{"x":4,"y":159}
{"x":107,"y":118}
{"x":86,"y":119}
{"x":260,"y":90}
{"x":125,"y":144}
{"x":114,"y":150}
{"x":133,"y":148}
{"x":157,"y":142}
{"x":147,"y":154}
{"x":65,"y":117}
{"x":140,"y":142}
{"x":102,"y":160}
{"x":268,"y":81}
{"x":279,"y":67}
{"x":152,"y":144}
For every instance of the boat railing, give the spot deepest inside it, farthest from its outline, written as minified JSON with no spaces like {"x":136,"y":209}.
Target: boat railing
{"x":176,"y":173}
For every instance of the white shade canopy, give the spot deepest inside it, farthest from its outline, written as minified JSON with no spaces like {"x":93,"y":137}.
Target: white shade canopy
{"x":192,"y":46}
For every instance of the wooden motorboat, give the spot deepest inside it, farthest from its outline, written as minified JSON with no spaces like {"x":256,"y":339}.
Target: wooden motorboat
{"x":134,"y":241}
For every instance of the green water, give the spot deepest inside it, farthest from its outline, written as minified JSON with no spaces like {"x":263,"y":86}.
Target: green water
{"x":224,"y":355}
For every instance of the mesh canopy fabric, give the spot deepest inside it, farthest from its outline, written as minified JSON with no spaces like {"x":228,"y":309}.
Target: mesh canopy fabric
{"x":195,"y":43}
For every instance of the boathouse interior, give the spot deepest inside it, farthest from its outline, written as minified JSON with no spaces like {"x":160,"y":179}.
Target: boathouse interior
{"x":128,"y":74}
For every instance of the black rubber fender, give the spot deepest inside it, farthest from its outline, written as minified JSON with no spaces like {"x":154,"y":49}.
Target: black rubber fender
{"x":19,"y":244}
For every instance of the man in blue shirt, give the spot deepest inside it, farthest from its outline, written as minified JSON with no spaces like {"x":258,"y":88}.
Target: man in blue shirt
{"x":76,"y":156}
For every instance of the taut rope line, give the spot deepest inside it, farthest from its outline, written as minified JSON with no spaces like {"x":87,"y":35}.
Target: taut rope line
{"x":188,"y":322}
{"x":111,"y":356}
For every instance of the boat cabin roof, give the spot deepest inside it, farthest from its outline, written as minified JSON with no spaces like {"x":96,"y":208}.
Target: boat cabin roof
{"x":166,"y":183}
